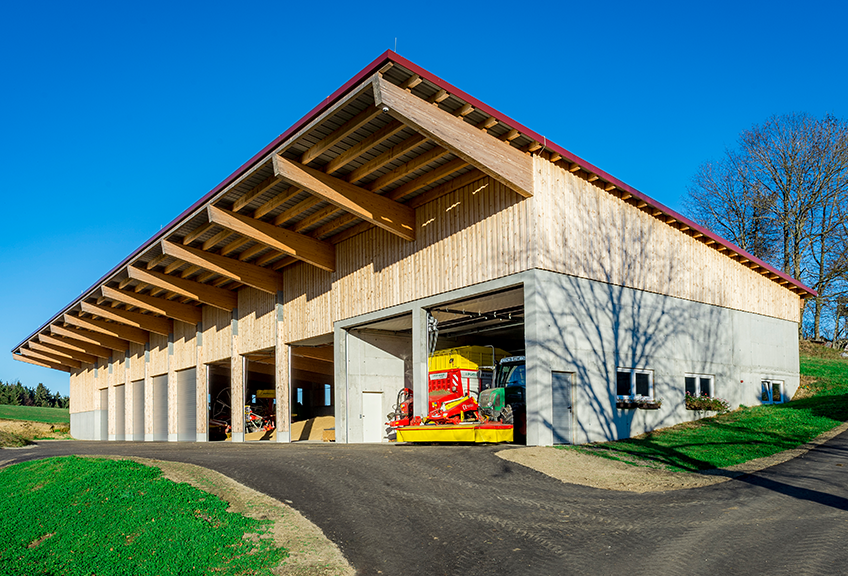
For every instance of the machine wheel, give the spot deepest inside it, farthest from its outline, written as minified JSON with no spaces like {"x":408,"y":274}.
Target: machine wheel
{"x":507,"y":415}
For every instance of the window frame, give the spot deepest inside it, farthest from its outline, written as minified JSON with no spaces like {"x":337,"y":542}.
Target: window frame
{"x":698,"y":378}
{"x":633,"y":396}
{"x":771,"y":383}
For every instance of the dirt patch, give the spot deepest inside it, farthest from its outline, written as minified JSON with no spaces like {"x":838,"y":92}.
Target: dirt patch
{"x":805,"y":388}
{"x":31,"y":430}
{"x":311,"y":429}
{"x":310,"y":552}
{"x":579,"y":468}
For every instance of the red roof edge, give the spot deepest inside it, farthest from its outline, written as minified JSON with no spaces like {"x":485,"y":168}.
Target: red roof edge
{"x":376,"y":64}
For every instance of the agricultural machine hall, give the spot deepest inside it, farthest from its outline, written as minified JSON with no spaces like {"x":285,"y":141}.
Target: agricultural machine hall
{"x":408,"y":264}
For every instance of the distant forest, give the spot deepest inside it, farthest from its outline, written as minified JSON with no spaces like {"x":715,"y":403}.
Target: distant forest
{"x":16,"y":394}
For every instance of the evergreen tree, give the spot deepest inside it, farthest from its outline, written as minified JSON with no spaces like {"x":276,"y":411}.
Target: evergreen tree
{"x":41,"y":397}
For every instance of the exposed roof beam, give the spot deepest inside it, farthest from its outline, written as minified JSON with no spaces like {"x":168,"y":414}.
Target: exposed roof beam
{"x":42,"y":363}
{"x":109,"y":328}
{"x":156,"y":261}
{"x":365,"y":145}
{"x":310,"y":365}
{"x":87,"y":337}
{"x":387,"y":214}
{"x":63,"y":352}
{"x":163,"y":326}
{"x":197,"y":233}
{"x":277,"y":200}
{"x":298,"y":208}
{"x":182,"y":312}
{"x":254,"y":192}
{"x":248,"y":274}
{"x":314,"y":217}
{"x":53,"y":358}
{"x":427,"y":178}
{"x":408,"y":168}
{"x":446,"y":188}
{"x":310,"y":250}
{"x":342,"y":132}
{"x":252,"y":251}
{"x":385,"y":158}
{"x":76,"y":345}
{"x":234,"y":245}
{"x":219,"y":237}
{"x":497,"y":159}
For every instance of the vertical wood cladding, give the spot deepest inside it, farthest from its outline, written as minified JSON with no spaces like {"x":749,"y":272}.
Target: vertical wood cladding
{"x":217,"y":334}
{"x":257,"y":314}
{"x":587,"y":232}
{"x":185,"y":346}
{"x":158,"y":354}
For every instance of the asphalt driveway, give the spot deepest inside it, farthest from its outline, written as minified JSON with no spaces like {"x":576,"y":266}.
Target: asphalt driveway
{"x":431,"y":510}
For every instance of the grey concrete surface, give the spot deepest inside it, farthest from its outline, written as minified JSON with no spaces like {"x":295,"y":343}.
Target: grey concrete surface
{"x":429,"y":510}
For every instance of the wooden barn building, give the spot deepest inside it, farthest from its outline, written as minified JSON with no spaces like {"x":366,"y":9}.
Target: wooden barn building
{"x":402,"y":215}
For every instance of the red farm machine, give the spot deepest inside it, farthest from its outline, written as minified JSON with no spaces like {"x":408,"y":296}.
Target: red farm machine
{"x":460,"y":380}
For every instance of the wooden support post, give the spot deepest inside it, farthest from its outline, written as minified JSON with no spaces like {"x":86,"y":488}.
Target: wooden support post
{"x":282,"y":375}
{"x":237,"y":377}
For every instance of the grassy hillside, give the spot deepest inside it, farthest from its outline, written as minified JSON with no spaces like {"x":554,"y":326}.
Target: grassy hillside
{"x":34,"y":414}
{"x":747,"y":433}
{"x":80,"y":516}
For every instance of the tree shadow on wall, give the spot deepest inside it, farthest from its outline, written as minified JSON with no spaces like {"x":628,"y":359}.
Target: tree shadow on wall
{"x":612,"y":312}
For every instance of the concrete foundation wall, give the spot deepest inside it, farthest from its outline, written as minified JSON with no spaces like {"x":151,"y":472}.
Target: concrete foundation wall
{"x":84,"y":425}
{"x":376,"y":364}
{"x":591,"y":329}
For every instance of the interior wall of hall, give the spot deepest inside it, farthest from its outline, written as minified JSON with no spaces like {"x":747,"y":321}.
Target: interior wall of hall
{"x":477,"y":233}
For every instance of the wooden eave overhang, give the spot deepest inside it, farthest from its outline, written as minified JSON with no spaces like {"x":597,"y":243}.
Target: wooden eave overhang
{"x":389,"y":140}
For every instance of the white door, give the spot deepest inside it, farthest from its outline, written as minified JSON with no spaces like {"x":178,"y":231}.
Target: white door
{"x":372,"y":416}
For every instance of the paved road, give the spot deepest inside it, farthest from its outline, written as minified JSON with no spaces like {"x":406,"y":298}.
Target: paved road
{"x":424,"y":510}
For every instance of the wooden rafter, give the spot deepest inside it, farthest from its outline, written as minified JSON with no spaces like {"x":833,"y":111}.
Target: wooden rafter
{"x":298,"y":208}
{"x":197,"y":233}
{"x":302,"y":247}
{"x":248,"y":274}
{"x":255,"y":192}
{"x":76,"y":345}
{"x":387,"y":214}
{"x":446,"y":188}
{"x":386,"y":157}
{"x":216,"y":238}
{"x":158,"y":325}
{"x":88,"y":337}
{"x":322,"y":353}
{"x":109,"y":328}
{"x":251,"y":252}
{"x":408,"y":168}
{"x":365,"y":145}
{"x":277,"y":200}
{"x":63,"y":352}
{"x":342,"y":132}
{"x":42,"y":363}
{"x":182,"y":312}
{"x":52,"y":358}
{"x":427,"y":178}
{"x":234,"y":245}
{"x":497,"y":159}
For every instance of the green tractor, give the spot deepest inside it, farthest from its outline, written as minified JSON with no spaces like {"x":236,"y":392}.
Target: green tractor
{"x":505,"y":399}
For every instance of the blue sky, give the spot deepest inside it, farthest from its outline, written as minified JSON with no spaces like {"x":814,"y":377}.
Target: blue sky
{"x":115,"y":117}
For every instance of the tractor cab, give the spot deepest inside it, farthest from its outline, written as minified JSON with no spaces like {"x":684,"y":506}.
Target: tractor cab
{"x":505,"y":400}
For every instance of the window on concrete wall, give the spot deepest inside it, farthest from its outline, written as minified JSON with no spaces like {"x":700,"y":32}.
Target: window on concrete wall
{"x":632,"y":383}
{"x":771,"y":391}
{"x":699,"y":385}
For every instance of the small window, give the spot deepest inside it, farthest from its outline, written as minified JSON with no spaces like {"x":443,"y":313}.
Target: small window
{"x":699,"y":385}
{"x":327,"y":395}
{"x":632,"y":383}
{"x":771,"y":392}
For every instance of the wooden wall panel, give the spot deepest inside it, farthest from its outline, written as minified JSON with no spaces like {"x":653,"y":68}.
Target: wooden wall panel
{"x":185,"y":346}
{"x":82,"y":389}
{"x":257,"y":316}
{"x":217,"y":334}
{"x":136,"y":361}
{"x":592,"y":234}
{"x":158,"y":354}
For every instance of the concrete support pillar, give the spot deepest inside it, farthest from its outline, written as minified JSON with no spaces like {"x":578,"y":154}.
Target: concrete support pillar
{"x":420,"y":371}
{"x":237,"y":376}
{"x":539,"y":398}
{"x":342,"y":389}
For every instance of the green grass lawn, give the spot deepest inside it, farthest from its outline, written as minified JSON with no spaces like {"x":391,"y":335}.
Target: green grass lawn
{"x":747,"y":433}
{"x":35,"y":414}
{"x":82,"y":516}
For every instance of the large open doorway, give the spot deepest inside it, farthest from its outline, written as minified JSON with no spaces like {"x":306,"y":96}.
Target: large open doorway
{"x":219,"y":402}
{"x":312,"y":392}
{"x":260,"y":397}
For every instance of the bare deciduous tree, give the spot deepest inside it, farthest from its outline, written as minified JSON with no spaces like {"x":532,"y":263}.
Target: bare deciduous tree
{"x":782,"y":195}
